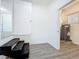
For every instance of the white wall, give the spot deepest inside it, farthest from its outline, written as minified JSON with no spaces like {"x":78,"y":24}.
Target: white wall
{"x":40,"y":24}
{"x":0,"y":21}
{"x":74,"y":31}
{"x":45,"y":22}
{"x":45,"y":25}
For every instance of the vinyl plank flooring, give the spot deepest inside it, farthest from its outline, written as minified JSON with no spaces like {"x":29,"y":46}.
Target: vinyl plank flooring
{"x":46,"y":51}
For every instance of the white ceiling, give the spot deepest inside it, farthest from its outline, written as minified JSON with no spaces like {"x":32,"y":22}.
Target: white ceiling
{"x":27,"y":0}
{"x":42,"y":2}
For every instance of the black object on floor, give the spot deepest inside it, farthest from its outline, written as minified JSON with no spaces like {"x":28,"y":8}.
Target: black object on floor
{"x":25,"y":52}
{"x":15,"y":49}
{"x":6,"y":48}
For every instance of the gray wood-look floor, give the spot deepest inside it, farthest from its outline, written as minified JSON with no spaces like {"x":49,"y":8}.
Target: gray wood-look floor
{"x":46,"y":51}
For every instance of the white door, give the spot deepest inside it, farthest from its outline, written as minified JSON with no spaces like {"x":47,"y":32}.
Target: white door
{"x":22,"y":17}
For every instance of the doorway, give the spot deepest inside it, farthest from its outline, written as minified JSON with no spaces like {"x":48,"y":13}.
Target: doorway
{"x":69,"y":22}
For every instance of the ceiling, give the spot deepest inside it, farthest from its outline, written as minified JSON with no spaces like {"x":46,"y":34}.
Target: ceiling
{"x":27,"y":0}
{"x":42,"y":2}
{"x":70,"y":4}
